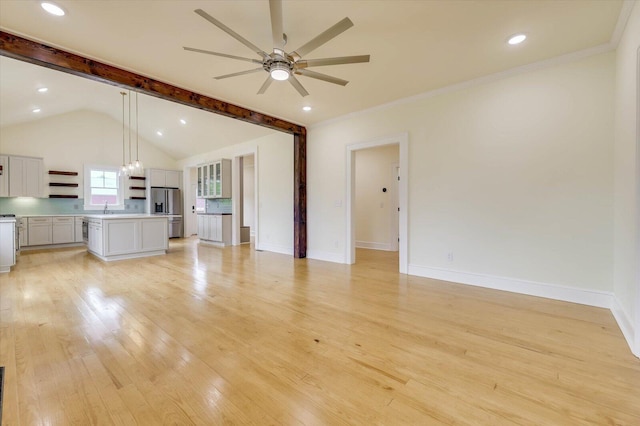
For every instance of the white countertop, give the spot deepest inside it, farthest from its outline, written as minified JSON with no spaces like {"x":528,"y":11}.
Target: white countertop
{"x":125,"y":216}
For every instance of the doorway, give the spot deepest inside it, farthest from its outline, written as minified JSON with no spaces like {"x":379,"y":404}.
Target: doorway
{"x":402,"y":141}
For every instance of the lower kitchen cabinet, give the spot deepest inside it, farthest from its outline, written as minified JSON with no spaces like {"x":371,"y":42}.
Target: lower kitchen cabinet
{"x":77,"y":233}
{"x":215,"y":228}
{"x":63,"y":230}
{"x":40,"y":231}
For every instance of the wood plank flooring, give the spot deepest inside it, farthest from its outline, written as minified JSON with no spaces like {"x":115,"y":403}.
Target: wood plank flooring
{"x":211,"y":336}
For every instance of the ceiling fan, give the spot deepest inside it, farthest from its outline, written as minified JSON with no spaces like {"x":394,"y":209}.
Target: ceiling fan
{"x":282,"y":65}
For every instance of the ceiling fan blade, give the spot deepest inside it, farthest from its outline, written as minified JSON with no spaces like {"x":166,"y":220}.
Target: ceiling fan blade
{"x":232,"y":33}
{"x":306,"y":63}
{"x":323,"y":77}
{"x":321,"y":39}
{"x":265,"y":85}
{"x":220,"y":77}
{"x":224,"y":55}
{"x":275,"y":8}
{"x":295,"y":83}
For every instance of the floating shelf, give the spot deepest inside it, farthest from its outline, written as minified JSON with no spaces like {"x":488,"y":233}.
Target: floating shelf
{"x":137,"y":177}
{"x":58,"y":172}
{"x":62,"y":196}
{"x":69,"y":185}
{"x":138,"y":198}
{"x":140,"y":188}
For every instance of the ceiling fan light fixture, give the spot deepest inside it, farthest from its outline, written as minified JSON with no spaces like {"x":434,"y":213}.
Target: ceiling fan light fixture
{"x":279,"y":71}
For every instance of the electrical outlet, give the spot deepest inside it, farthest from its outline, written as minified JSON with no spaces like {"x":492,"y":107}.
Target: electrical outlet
{"x":450,"y":256}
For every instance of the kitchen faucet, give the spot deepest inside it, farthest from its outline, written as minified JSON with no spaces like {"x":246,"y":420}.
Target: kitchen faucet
{"x":106,"y":206}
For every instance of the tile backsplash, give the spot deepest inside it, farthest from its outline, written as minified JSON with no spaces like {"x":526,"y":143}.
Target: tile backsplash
{"x":219,"y":205}
{"x":22,"y":206}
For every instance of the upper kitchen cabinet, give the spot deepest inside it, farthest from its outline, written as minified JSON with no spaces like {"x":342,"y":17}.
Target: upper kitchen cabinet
{"x":165,"y":178}
{"x":214,"y":179}
{"x":26,"y":176}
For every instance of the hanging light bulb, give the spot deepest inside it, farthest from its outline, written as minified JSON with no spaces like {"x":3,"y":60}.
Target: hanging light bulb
{"x":123,"y":169}
{"x":139,"y":168}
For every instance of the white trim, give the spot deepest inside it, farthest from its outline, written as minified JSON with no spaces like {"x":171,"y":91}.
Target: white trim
{"x":635,"y":348}
{"x":624,"y":322}
{"x":394,"y":203}
{"x":374,"y":245}
{"x":558,"y":60}
{"x":601,"y":299}
{"x":327,"y":256}
{"x":401,"y":139}
{"x":623,"y":18}
{"x":276,"y":248}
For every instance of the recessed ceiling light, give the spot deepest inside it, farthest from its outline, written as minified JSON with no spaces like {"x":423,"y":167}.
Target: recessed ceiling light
{"x":183,"y":121}
{"x":36,"y":110}
{"x":159,"y":133}
{"x":517,"y":39}
{"x":42,"y":89}
{"x":306,"y":108}
{"x":52,"y":9}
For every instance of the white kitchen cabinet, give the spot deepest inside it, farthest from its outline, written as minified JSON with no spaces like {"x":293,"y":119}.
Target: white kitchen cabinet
{"x":26,"y":176}
{"x":40,"y":231}
{"x":165,"y":178}
{"x":77,"y":232}
{"x":115,"y":237}
{"x":23,"y":228}
{"x":7,"y":244}
{"x":214,"y":179}
{"x":95,"y":237}
{"x":215,"y":228}
{"x":63,"y":229}
{"x":4,"y":175}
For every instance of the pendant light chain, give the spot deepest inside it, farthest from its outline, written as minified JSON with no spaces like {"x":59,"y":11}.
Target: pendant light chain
{"x":130,"y":159}
{"x":124,"y":166}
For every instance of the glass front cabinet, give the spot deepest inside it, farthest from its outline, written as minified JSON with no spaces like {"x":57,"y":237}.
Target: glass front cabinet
{"x":214,"y":179}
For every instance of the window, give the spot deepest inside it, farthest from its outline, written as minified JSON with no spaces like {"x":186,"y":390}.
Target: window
{"x":102,"y":185}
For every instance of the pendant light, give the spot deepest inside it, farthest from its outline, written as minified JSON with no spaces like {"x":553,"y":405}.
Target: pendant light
{"x":124,"y":169}
{"x":130,"y":166}
{"x":138,"y":167}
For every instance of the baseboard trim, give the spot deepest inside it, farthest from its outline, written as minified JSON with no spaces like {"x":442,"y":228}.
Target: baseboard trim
{"x":601,"y":299}
{"x":327,"y":256}
{"x":275,"y":248}
{"x":625,"y":324}
{"x":374,"y":245}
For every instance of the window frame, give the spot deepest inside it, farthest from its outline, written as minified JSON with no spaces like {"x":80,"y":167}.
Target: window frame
{"x":87,"y":187}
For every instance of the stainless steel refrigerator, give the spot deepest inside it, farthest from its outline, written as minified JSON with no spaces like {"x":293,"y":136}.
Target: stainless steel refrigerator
{"x":167,"y":201}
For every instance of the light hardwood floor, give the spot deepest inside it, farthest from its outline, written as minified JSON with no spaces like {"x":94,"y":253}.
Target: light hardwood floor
{"x":215,"y":336}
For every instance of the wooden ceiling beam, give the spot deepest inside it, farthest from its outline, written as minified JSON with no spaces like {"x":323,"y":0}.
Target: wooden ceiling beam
{"x":20,"y":48}
{"x":17,"y":47}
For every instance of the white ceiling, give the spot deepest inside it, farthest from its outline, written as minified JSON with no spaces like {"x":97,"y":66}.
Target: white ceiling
{"x":415,"y":46}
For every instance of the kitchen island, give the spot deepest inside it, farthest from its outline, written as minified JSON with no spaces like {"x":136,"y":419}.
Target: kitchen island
{"x":126,"y":236}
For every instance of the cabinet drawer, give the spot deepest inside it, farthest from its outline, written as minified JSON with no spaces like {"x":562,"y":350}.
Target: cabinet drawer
{"x":39,"y":220}
{"x":62,"y":219}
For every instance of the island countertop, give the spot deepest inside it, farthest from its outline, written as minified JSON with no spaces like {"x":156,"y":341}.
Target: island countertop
{"x":124,"y":216}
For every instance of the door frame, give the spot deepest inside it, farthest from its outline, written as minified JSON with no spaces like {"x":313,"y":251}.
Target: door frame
{"x":401,"y":139}
{"x":236,"y":201}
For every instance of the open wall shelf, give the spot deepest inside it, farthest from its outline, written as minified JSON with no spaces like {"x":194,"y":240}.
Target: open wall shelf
{"x":63,"y":182}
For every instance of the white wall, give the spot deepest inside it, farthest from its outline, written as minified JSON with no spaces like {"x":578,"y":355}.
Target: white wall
{"x":514,"y":177}
{"x":373,"y":207}
{"x":627,"y":170}
{"x":274,"y":168}
{"x":68,"y":141}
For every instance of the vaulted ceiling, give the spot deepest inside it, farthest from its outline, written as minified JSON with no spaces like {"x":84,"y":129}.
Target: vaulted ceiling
{"x":415,"y":47}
